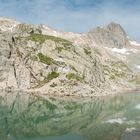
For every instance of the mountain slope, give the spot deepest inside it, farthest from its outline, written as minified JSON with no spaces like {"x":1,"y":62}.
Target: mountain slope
{"x":36,"y":58}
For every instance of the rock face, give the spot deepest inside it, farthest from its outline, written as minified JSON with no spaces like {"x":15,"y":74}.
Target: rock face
{"x":40,"y":59}
{"x":110,"y":36}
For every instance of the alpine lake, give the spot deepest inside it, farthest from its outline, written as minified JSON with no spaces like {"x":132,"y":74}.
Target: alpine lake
{"x":29,"y":117}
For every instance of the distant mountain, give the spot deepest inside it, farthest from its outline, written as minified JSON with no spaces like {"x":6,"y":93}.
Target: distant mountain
{"x":36,"y":58}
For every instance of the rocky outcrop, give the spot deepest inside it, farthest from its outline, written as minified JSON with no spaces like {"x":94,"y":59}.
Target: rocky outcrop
{"x":63,"y":63}
{"x":113,"y":35}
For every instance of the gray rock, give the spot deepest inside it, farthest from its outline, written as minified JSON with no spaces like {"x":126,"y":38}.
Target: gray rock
{"x":33,"y":58}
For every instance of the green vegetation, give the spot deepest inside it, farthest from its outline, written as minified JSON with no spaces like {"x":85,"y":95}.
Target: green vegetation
{"x":45,"y":59}
{"x":18,"y":38}
{"x":42,"y":38}
{"x":135,"y":79}
{"x":87,"y":51}
{"x":65,"y":47}
{"x":71,"y":106}
{"x":71,"y":76}
{"x":73,"y":68}
{"x":120,"y":65}
{"x":116,"y":69}
{"x":59,"y":49}
{"x":49,"y":61}
{"x":52,"y":75}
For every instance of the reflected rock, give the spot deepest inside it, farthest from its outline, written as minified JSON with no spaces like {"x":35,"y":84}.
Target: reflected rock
{"x":131,"y":134}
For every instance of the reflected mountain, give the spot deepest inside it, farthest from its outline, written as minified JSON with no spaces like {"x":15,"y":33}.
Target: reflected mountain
{"x":30,"y":117}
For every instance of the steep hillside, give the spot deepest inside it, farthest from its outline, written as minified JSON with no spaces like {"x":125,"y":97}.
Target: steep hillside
{"x":41,"y":60}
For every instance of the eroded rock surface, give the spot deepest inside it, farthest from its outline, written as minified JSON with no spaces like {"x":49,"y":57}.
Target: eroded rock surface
{"x":40,"y":59}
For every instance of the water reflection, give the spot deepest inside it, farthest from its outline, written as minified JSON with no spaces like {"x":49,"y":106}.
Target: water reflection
{"x":29,"y":117}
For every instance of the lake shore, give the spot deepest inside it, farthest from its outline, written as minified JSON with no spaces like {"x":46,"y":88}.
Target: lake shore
{"x":72,"y":96}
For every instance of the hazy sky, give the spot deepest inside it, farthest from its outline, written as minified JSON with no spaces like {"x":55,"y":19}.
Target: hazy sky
{"x":75,"y":15}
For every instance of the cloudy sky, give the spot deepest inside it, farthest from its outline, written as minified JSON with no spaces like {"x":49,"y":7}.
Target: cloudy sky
{"x":75,"y":15}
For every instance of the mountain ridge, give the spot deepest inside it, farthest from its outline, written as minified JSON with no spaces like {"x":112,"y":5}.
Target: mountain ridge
{"x":36,"y":58}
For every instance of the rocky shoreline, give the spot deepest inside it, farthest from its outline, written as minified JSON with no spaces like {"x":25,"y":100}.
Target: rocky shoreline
{"x":71,"y":96}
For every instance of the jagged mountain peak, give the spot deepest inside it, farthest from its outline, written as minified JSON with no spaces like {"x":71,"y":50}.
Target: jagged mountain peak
{"x":116,"y":28}
{"x":112,"y":35}
{"x":111,"y":27}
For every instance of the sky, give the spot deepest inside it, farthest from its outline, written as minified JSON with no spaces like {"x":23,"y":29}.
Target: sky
{"x":75,"y":15}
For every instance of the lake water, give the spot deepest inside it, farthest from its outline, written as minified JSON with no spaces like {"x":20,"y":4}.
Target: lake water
{"x":104,"y":118}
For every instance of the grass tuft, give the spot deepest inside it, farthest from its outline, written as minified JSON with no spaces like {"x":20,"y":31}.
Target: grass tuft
{"x":45,"y":59}
{"x":71,"y":76}
{"x":42,"y":38}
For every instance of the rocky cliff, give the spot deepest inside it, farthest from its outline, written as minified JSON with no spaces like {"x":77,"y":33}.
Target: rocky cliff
{"x":36,"y":58}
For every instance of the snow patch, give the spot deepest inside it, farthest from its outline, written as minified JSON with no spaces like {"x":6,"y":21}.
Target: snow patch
{"x":134,"y":43}
{"x":133,"y":50}
{"x":121,"y":51}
